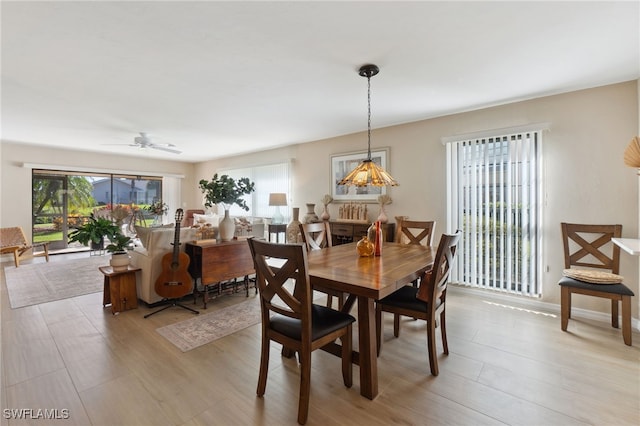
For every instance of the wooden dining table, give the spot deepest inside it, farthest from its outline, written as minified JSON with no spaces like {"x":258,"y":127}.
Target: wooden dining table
{"x":365,"y":280}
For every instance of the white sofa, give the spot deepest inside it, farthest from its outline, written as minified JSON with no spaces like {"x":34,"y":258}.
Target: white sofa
{"x":149,"y":258}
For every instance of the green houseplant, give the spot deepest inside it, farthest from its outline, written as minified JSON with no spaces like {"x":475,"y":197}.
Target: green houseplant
{"x":226,"y":191}
{"x":94,"y":231}
{"x":118,"y":249}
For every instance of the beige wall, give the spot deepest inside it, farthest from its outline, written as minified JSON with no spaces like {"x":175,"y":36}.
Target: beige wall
{"x":585,"y":177}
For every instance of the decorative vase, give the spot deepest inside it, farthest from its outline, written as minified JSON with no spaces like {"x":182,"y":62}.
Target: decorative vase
{"x":293,"y":229}
{"x":382,"y":217}
{"x":119,"y":261}
{"x":375,"y":234}
{"x":325,"y":213}
{"x":364,"y":247}
{"x":310,"y":216}
{"x":226,"y":227}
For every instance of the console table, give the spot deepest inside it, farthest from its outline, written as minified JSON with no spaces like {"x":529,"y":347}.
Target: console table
{"x":348,"y":232}
{"x":213,"y":263}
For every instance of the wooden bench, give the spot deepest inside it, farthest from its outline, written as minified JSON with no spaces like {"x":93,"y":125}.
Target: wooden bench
{"x":13,"y":240}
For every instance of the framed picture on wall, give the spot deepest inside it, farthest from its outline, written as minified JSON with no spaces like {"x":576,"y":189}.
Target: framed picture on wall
{"x":342,"y":164}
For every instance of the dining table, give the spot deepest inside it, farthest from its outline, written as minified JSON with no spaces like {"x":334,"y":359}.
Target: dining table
{"x":365,"y":280}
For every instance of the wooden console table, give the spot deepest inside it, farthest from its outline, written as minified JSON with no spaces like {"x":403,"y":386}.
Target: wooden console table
{"x":348,"y":232}
{"x":212,"y":263}
{"x":119,"y":288}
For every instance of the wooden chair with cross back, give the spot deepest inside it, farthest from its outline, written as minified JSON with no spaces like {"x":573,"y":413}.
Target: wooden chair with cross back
{"x":592,"y":265}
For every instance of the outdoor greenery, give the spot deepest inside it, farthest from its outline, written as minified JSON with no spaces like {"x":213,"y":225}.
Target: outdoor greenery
{"x":226,"y":190}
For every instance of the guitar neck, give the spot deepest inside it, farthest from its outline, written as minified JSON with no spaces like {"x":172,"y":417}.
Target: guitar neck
{"x":176,"y":237}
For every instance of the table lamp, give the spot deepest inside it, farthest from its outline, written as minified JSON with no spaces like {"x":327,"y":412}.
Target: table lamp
{"x":277,"y":199}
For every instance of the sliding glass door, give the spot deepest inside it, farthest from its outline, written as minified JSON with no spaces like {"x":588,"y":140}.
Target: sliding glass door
{"x":63,"y":200}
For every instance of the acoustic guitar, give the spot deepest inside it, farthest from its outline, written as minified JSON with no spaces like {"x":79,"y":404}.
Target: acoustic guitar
{"x":175,"y":282}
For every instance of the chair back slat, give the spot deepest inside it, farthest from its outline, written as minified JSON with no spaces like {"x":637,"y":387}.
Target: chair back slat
{"x":415,"y":232}
{"x":590,"y":246}
{"x":433,"y":284}
{"x":316,"y":235}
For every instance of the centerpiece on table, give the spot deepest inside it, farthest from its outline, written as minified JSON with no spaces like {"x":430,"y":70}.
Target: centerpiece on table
{"x":157,"y":209}
{"x":226,"y":191}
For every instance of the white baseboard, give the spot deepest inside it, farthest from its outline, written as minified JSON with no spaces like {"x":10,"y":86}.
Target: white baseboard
{"x":539,"y":305}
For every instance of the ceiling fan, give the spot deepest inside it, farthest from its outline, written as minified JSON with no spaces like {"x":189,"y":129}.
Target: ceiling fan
{"x":143,"y":141}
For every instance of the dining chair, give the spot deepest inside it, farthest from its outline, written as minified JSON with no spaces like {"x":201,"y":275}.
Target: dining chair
{"x":318,"y":236}
{"x":415,"y":232}
{"x":290,"y":318}
{"x":427,"y":302}
{"x":590,"y":246}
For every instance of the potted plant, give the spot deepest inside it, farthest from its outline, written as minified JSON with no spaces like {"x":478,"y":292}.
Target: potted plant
{"x":94,"y":231}
{"x":118,"y":250}
{"x":226,"y":191}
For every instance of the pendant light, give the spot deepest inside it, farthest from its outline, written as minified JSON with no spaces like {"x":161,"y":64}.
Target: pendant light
{"x":368,"y":173}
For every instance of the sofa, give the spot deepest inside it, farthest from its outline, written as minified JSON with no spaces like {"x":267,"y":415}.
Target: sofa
{"x":154,"y":244}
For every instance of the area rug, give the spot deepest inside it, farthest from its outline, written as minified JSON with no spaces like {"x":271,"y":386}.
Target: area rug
{"x":206,"y":328}
{"x":31,"y":284}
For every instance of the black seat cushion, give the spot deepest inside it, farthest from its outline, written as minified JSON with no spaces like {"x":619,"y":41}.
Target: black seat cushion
{"x":323,"y":321}
{"x":405,"y":298}
{"x":605,"y":288}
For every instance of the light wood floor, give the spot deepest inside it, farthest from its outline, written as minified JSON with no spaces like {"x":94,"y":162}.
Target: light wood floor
{"x":506,"y":366}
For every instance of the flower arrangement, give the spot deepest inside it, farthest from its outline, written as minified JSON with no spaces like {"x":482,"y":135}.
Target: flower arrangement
{"x":158,"y":208}
{"x":226,"y":190}
{"x":384,"y":199}
{"x":327,"y":199}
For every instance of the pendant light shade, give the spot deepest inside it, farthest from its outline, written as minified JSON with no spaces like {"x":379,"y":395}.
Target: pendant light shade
{"x":368,"y":173}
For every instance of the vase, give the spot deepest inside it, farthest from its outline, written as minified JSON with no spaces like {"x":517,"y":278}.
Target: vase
{"x":119,"y":261}
{"x":310,"y":216}
{"x":226,"y":227}
{"x":293,"y":228}
{"x":365,"y":247}
{"x":325,"y":213}
{"x":382,"y":217}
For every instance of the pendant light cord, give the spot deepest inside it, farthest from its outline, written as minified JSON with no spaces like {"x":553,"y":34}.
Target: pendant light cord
{"x":369,"y":116}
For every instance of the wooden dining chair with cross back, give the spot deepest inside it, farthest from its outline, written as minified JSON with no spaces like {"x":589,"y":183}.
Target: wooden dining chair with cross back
{"x":415,"y":232}
{"x":290,"y":318}
{"x":318,"y":236}
{"x":592,"y":265}
{"x":427,"y":302}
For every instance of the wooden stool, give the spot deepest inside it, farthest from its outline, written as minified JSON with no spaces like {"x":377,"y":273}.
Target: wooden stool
{"x":119,"y":288}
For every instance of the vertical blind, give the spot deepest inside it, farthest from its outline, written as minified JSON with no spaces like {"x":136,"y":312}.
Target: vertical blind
{"x":494,"y":198}
{"x":267,"y":178}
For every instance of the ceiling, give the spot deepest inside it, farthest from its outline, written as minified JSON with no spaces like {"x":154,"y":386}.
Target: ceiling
{"x":222,"y":78}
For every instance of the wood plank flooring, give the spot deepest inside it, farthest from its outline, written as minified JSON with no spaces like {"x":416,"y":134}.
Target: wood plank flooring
{"x":506,"y":366}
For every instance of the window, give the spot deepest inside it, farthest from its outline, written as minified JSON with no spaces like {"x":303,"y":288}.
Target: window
{"x":494,"y":198}
{"x":268,"y":178}
{"x":62,"y":200}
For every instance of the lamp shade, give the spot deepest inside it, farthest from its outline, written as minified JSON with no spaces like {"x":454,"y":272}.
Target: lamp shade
{"x":277,"y":199}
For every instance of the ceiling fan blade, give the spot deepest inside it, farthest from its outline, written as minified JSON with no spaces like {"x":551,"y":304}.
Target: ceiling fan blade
{"x":164,"y":148}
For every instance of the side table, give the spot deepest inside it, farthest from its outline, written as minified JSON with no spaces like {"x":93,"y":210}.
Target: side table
{"x":277,"y":228}
{"x":119,"y":288}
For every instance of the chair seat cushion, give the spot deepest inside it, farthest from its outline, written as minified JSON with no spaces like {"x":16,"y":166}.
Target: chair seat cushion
{"x":609,"y":288}
{"x":593,"y":276}
{"x":405,"y":298}
{"x":323,"y":321}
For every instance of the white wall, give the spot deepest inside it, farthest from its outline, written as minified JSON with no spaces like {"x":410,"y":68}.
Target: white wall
{"x":586,"y":180}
